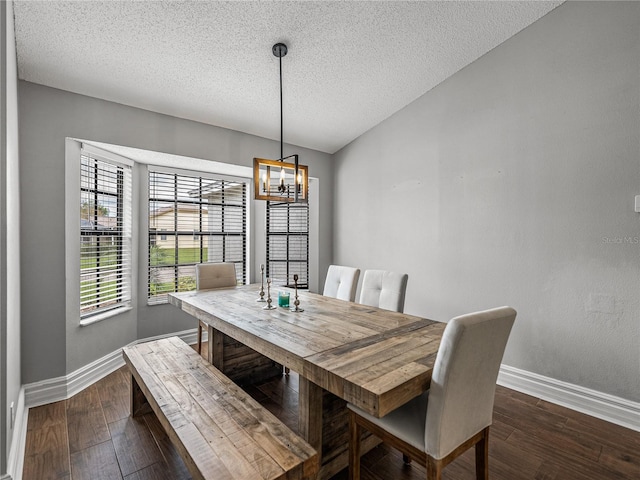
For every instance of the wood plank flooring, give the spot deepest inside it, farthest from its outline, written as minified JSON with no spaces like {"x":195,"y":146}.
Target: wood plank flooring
{"x":92,"y":437}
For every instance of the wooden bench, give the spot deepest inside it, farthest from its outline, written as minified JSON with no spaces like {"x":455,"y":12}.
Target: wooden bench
{"x":218,"y":429}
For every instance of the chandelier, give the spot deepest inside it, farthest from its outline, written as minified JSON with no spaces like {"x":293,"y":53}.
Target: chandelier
{"x":284,"y":179}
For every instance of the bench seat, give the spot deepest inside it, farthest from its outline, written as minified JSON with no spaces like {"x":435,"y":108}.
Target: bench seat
{"x":219,"y":431}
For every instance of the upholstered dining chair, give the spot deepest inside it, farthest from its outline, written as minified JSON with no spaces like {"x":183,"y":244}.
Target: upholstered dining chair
{"x":341,"y":282}
{"x":213,"y":275}
{"x":384,"y":289}
{"x":456,"y":412}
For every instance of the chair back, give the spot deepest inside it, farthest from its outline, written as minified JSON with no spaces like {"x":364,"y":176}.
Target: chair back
{"x":384,"y":289}
{"x":215,"y":275}
{"x":341,"y":282}
{"x":464,"y":378}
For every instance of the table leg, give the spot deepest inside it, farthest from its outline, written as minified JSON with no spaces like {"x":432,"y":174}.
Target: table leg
{"x":310,"y":414}
{"x":215,"y":348}
{"x":328,"y":420}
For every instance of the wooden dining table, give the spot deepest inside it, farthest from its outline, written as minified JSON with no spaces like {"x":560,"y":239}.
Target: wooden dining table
{"x":343,"y":352}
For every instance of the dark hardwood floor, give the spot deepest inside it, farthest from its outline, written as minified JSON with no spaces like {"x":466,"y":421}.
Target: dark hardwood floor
{"x":92,"y":437}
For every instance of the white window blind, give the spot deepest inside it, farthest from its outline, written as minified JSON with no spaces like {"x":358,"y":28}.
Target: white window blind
{"x":288,"y":243}
{"x":105,"y":235}
{"x":193,"y":219}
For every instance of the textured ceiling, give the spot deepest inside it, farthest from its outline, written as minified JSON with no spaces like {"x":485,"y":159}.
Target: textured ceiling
{"x":350,"y":64}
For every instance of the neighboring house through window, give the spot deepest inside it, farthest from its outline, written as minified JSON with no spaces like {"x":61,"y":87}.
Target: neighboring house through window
{"x":193,"y":219}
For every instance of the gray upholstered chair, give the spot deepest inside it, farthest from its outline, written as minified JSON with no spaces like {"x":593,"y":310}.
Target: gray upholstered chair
{"x":341,"y":282}
{"x":456,"y":412}
{"x":384,"y":289}
{"x":213,"y":275}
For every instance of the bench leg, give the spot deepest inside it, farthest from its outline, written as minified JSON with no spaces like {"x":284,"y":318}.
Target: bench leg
{"x":139,"y":404}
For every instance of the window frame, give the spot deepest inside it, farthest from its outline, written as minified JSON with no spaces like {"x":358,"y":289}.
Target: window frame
{"x":124,"y":217}
{"x":157,"y":235}
{"x":288,"y":234}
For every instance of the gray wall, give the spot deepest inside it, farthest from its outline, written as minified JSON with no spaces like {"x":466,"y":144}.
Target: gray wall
{"x":57,"y":345}
{"x":10,"y":382}
{"x":513,"y":183}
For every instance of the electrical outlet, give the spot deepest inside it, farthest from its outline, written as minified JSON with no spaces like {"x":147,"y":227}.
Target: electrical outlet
{"x":638,"y":203}
{"x":13,"y":414}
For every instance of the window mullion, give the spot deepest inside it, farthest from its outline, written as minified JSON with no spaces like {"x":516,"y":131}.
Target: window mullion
{"x":176,"y":251}
{"x":119,"y":226}
{"x":95,"y":227}
{"x":224,"y":237}
{"x":200,"y":223}
{"x":288,"y":245}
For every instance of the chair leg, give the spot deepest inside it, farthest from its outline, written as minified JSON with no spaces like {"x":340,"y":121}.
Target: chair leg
{"x":199,"y":337}
{"x":354,"y":447}
{"x":434,"y":468}
{"x":482,"y":456}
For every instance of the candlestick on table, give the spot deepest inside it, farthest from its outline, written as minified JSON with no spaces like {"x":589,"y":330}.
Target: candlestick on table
{"x":268,"y":306}
{"x":261,"y":299}
{"x":296,"y":303}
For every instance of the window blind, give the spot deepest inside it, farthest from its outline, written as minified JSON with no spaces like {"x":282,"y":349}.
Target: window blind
{"x":193,"y":219}
{"x":105,"y":235}
{"x":288,"y":243}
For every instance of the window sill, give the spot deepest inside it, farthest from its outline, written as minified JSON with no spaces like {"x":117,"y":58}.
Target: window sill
{"x":104,"y":315}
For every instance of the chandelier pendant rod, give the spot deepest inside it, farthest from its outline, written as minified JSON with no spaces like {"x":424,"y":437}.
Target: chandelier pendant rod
{"x":281,"y":115}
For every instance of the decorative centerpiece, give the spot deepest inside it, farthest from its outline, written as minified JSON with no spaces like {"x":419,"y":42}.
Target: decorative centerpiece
{"x":261,"y":299}
{"x":268,"y":306}
{"x":296,"y":303}
{"x":283,"y":299}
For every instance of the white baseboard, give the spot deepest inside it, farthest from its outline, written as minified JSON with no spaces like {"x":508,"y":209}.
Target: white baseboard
{"x":62,"y":388}
{"x":15,"y":460}
{"x":591,"y":402}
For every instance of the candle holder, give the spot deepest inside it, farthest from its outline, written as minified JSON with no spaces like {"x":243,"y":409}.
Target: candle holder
{"x":268,"y":306}
{"x":261,"y":299}
{"x":296,"y":303}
